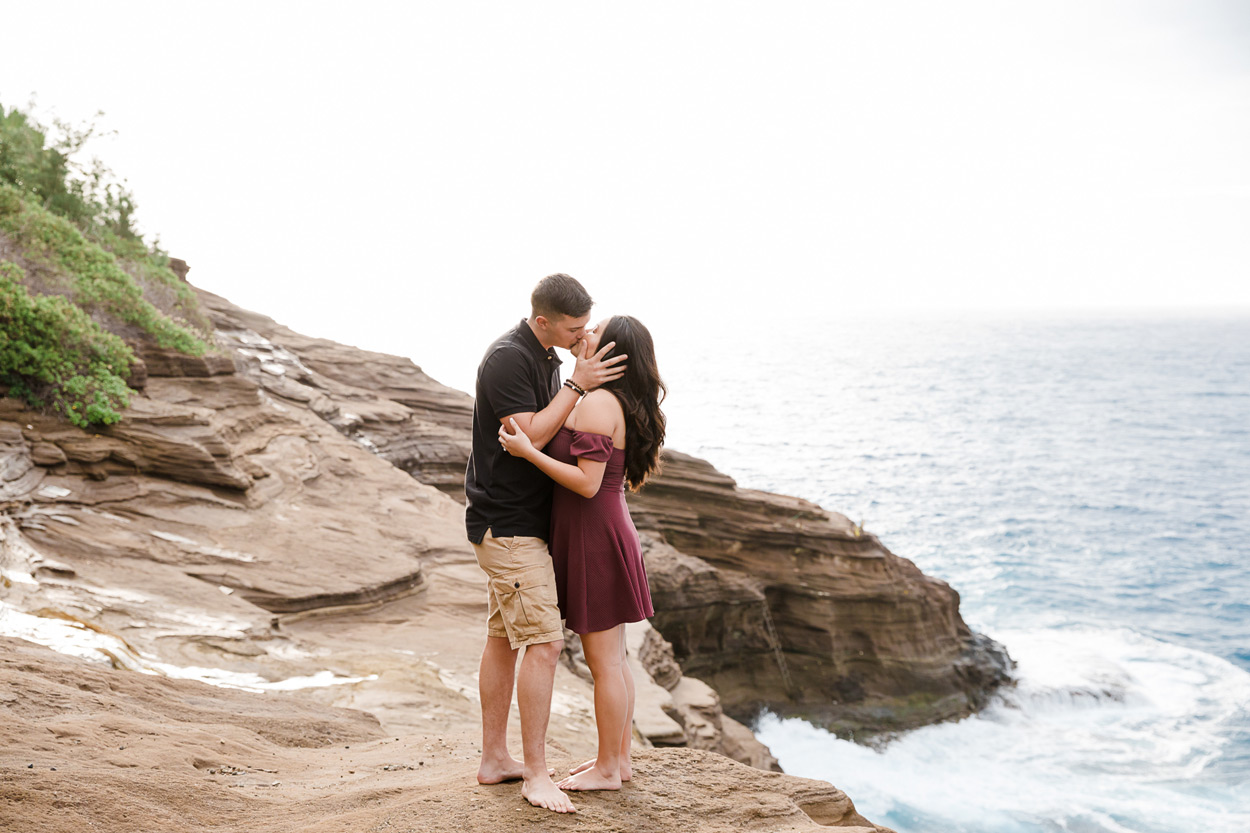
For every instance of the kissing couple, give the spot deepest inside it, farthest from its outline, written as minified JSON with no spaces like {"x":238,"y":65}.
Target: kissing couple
{"x":547,"y":518}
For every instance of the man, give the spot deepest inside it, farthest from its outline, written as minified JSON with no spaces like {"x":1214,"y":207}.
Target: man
{"x":507,"y":519}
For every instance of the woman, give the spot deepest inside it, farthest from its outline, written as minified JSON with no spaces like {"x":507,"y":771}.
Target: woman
{"x":611,"y":438}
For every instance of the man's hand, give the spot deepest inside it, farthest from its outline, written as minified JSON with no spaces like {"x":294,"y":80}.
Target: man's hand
{"x":594,"y":372}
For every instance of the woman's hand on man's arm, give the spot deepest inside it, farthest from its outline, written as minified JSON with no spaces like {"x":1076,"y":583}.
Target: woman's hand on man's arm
{"x":585,"y":478}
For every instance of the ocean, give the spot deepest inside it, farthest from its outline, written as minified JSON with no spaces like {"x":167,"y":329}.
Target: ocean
{"x":1084,"y":483}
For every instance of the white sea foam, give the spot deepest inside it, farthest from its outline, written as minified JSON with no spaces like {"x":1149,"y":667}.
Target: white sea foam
{"x":1057,"y":473}
{"x":1103,"y":728}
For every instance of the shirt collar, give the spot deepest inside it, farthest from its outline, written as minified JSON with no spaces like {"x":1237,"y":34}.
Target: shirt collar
{"x":531,"y":341}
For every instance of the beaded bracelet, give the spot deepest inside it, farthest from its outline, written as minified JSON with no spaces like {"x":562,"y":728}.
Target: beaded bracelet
{"x":573,"y":386}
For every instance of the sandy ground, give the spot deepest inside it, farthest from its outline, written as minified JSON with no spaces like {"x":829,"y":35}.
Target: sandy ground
{"x":87,"y":747}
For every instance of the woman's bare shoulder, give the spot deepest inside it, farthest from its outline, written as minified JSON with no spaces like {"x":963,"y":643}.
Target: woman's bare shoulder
{"x":599,"y":412}
{"x":601,"y":398}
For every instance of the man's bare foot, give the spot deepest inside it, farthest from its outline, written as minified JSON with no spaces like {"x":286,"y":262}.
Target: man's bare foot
{"x":542,"y":792}
{"x":626,"y":771}
{"x":592,"y":779}
{"x":497,"y":773}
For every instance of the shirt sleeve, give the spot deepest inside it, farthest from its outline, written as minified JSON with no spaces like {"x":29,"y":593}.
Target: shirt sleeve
{"x":507,"y":386}
{"x":597,"y":447}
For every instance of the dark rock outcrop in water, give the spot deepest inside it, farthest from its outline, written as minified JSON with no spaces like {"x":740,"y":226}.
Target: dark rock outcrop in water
{"x":780,"y":604}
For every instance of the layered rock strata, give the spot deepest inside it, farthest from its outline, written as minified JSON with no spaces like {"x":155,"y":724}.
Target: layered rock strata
{"x":772,"y":600}
{"x":385,"y":402}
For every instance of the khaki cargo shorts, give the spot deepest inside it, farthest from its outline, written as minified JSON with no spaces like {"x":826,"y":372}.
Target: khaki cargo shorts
{"x":521,"y":590}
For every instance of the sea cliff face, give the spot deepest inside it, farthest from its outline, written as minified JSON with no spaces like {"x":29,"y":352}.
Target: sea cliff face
{"x":280,"y":515}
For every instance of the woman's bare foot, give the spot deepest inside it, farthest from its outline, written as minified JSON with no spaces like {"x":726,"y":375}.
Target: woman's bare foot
{"x":591,"y":779}
{"x":542,"y":792}
{"x":626,"y":771}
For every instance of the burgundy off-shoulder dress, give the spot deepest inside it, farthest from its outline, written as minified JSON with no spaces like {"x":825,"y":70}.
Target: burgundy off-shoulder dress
{"x":600,"y":576}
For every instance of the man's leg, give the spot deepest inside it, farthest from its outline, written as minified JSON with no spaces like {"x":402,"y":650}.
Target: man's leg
{"x":496,"y":672}
{"x":524,"y":606}
{"x":533,"y":694}
{"x":495,"y":677}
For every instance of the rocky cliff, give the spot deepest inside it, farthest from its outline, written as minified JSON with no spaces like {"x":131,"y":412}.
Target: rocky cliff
{"x":771,"y":600}
{"x":774,"y":601}
{"x":279,"y":515}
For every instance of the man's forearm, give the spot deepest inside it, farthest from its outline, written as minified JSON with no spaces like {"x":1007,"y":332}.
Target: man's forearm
{"x":547,"y":422}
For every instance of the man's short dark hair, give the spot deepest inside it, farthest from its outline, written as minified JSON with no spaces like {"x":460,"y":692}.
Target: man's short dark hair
{"x":560,"y":295}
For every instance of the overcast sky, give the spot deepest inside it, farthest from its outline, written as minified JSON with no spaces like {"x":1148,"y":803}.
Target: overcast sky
{"x":398,"y":175}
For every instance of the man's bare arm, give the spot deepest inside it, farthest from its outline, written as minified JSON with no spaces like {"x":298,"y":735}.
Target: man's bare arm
{"x":542,"y":426}
{"x":588,"y":374}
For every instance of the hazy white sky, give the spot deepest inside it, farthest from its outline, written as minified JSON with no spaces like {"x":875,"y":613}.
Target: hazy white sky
{"x":398,"y":175}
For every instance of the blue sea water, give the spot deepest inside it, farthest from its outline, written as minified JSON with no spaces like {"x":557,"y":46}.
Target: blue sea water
{"x":1084,"y":483}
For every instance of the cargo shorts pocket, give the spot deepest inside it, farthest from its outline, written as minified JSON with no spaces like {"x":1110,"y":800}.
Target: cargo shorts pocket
{"x":527,"y":602}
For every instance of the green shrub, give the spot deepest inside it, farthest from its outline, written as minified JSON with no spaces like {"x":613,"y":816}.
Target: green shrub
{"x":47,"y":174}
{"x":99,"y":282}
{"x":53,"y":354}
{"x":77,"y":220}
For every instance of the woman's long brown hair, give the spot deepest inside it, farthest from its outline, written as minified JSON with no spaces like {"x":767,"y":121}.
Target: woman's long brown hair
{"x":640,"y":392}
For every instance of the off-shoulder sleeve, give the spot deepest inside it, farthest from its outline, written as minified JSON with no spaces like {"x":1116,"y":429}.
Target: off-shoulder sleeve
{"x":597,"y":447}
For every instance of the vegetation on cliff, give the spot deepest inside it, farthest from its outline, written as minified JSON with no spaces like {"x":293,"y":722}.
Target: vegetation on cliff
{"x":76,"y":278}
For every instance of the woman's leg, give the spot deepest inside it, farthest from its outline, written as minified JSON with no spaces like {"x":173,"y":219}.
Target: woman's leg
{"x":612,"y":704}
{"x":627,"y":738}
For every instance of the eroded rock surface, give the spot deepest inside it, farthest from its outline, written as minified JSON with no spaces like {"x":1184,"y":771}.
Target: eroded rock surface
{"x":385,"y":402}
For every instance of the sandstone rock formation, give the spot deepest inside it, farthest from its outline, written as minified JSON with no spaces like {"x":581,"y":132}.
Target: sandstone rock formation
{"x":696,"y":719}
{"x":385,"y":402}
{"x":237,"y":504}
{"x":279,"y":516}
